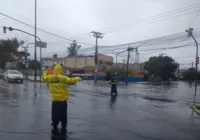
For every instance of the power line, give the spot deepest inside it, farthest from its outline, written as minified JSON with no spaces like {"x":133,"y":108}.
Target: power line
{"x":183,"y":57}
{"x":148,"y":43}
{"x":56,"y":43}
{"x":185,"y":64}
{"x":150,"y":18}
{"x":162,"y":14}
{"x":151,"y":52}
{"x":159,"y":49}
{"x":83,"y":36}
{"x":5,"y":15}
{"x":194,"y":19}
{"x":166,"y":48}
{"x":128,"y":27}
{"x":114,"y":48}
{"x":171,"y":37}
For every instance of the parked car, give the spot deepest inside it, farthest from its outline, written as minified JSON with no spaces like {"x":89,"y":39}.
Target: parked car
{"x":13,"y":76}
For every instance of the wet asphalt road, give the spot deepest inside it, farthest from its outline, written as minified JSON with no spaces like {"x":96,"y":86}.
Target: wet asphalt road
{"x":140,"y":112}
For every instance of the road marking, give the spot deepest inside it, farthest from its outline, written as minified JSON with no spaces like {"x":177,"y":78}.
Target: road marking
{"x":4,"y":87}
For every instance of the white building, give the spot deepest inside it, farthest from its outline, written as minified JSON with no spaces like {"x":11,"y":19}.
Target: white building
{"x":47,"y":62}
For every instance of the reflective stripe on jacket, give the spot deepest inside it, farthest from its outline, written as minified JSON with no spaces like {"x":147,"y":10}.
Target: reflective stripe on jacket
{"x":112,"y":82}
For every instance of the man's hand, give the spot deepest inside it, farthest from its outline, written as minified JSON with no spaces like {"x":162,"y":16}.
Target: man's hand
{"x":78,"y":79}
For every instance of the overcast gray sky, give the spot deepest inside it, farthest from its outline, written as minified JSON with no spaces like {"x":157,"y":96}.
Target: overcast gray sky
{"x":77,"y":17}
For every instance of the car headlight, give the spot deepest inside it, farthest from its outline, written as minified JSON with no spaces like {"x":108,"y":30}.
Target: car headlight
{"x":9,"y":76}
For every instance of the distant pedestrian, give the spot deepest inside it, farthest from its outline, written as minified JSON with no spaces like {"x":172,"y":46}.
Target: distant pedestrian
{"x":113,"y":91}
{"x":59,"y":95}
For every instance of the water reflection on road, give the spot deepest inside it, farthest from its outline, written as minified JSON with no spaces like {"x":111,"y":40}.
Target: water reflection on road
{"x":140,"y":111}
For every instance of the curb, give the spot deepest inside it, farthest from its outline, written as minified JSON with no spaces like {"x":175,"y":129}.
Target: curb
{"x":195,"y":109}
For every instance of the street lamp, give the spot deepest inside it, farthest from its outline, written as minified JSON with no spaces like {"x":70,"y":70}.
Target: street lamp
{"x":128,"y":49}
{"x":35,"y":58}
{"x":97,"y":35}
{"x":118,"y":54}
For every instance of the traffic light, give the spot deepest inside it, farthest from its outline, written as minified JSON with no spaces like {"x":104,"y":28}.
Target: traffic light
{"x":197,"y":60}
{"x":130,"y":49}
{"x":4,"y":29}
{"x":10,"y":28}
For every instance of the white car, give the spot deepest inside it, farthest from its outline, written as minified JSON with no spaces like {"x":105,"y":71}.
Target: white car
{"x":13,"y":76}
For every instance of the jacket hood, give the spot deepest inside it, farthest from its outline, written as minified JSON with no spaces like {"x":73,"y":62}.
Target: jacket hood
{"x":57,"y":69}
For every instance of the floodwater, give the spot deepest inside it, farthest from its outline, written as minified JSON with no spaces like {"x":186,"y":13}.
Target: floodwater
{"x":141,"y":111}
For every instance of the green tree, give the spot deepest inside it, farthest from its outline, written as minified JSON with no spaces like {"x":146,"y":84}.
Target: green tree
{"x":73,"y":49}
{"x":21,"y":58}
{"x":162,"y":66}
{"x":32,"y":64}
{"x":8,"y":51}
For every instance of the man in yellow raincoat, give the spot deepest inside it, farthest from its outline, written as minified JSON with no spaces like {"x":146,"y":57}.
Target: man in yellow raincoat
{"x":59,"y":95}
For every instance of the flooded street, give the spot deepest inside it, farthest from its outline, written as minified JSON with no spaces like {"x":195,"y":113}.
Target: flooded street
{"x":141,"y":111}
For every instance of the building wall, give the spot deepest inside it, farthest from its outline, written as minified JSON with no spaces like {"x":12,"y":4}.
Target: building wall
{"x":90,"y":62}
{"x":47,"y":62}
{"x":87,"y":61}
{"x":70,"y":62}
{"x":80,"y":62}
{"x":84,"y":61}
{"x":105,"y":58}
{"x":59,"y":61}
{"x":135,"y":67}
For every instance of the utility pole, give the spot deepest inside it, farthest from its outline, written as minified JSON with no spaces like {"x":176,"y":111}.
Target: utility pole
{"x":97,"y":35}
{"x":127,"y":66}
{"x":118,"y":55}
{"x":190,"y":33}
{"x":35,"y":55}
{"x":124,"y":62}
{"x":192,"y":64}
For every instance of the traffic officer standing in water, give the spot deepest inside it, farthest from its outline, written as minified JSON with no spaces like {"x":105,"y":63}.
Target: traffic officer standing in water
{"x":113,"y":87}
{"x":59,"y":95}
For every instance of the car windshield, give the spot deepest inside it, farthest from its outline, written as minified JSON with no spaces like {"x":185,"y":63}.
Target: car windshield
{"x":14,"y":72}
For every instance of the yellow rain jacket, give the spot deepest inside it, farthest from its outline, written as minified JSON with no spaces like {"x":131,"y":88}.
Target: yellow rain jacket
{"x":57,"y":83}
